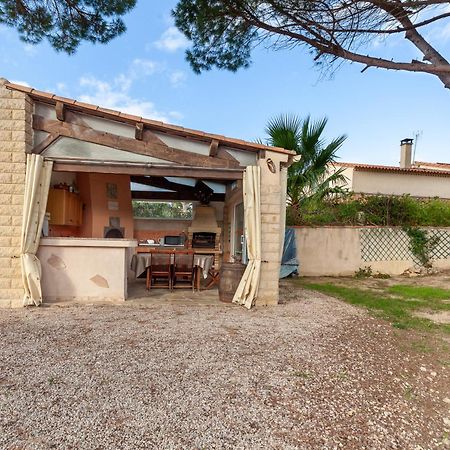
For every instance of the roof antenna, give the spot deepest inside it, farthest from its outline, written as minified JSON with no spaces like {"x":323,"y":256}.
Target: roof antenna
{"x":417,"y":135}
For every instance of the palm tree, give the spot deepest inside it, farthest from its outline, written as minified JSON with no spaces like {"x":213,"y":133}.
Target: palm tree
{"x":312,"y":176}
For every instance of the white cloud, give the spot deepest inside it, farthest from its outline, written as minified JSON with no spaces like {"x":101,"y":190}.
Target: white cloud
{"x":439,"y":33}
{"x":172,"y":40}
{"x":116,"y":94}
{"x":177,"y":78}
{"x":22,"y":83}
{"x":61,"y":88}
{"x":117,"y":97}
{"x":30,"y":49}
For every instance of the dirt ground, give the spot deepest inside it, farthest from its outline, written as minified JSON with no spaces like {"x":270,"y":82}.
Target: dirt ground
{"x":438,"y":280}
{"x":311,"y":373}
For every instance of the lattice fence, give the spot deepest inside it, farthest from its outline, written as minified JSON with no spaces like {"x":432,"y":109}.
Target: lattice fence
{"x":392,"y":244}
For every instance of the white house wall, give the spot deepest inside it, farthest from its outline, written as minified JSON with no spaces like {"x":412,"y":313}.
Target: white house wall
{"x":398,"y":184}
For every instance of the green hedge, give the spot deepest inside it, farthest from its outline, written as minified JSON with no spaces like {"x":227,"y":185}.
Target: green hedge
{"x":378,"y":210}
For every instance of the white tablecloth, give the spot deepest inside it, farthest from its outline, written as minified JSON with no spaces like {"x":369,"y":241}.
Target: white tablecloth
{"x":205,"y":262}
{"x":141,"y":261}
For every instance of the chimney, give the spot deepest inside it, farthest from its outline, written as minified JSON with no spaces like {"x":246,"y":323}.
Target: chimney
{"x":406,"y":153}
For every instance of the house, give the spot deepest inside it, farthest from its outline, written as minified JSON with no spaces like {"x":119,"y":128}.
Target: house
{"x":70,"y":172}
{"x":418,"y":179}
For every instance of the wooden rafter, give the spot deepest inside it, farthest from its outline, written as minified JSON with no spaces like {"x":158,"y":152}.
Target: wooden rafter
{"x":151,"y":145}
{"x":200,"y":191}
{"x":60,"y":110}
{"x":139,"y":131}
{"x":149,"y":195}
{"x":213,"y":147}
{"x":162,"y":183}
{"x":49,"y":140}
{"x":149,"y":170}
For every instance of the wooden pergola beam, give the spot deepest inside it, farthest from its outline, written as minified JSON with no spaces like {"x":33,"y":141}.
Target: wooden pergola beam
{"x":49,"y":140}
{"x":60,"y":109}
{"x":139,"y":131}
{"x":214,"y":147}
{"x":186,"y":196}
{"x":150,"y":146}
{"x":162,"y":183}
{"x":166,"y":171}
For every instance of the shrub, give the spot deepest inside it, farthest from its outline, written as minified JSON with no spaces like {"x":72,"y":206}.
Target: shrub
{"x":379,"y":210}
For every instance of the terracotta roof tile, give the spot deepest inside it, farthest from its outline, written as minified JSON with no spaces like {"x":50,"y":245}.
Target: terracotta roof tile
{"x":42,"y":94}
{"x":69,"y":101}
{"x":84,"y":105}
{"x":108,"y":111}
{"x":381,"y":168}
{"x":155,"y":125}
{"x":130,"y":117}
{"x":440,"y":165}
{"x":18,"y":87}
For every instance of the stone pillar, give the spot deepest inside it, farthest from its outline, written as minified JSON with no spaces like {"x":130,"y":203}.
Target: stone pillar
{"x":273,"y":205}
{"x":15,"y":140}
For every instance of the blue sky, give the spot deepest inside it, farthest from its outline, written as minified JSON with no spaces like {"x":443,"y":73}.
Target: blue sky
{"x":144,"y":72}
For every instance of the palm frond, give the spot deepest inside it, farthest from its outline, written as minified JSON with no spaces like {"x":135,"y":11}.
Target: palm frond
{"x":310,"y":179}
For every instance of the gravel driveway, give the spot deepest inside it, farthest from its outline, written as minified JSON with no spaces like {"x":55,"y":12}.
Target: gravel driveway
{"x":313,"y":373}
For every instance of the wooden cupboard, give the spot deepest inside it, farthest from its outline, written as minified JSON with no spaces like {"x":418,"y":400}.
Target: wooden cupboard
{"x":65,"y":208}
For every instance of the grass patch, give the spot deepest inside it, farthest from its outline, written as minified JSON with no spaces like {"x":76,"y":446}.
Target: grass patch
{"x":431,"y":295}
{"x":396,"y":309}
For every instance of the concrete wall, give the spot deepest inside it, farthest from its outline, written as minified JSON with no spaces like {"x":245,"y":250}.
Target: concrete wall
{"x":82,"y":269}
{"x":15,"y":139}
{"x":336,"y":251}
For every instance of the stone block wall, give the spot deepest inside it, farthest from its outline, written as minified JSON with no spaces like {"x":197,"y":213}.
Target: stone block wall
{"x":15,"y":140}
{"x":273,"y":205}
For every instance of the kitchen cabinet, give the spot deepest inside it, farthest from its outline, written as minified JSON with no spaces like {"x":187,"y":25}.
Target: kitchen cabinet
{"x":65,"y":207}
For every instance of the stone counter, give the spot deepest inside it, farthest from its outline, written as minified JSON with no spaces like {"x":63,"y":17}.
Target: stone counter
{"x":81,"y":269}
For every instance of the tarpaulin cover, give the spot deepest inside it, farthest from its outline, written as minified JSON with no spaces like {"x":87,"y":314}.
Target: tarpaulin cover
{"x":289,"y":262}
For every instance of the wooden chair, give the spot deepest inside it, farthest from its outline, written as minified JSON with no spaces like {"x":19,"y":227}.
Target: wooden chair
{"x":183,"y":271}
{"x":159,"y":272}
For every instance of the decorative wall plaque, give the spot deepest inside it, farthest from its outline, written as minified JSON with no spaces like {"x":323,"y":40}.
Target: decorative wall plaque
{"x":111,"y":190}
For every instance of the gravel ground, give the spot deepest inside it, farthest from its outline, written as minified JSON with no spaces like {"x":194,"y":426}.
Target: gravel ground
{"x":312,"y":373}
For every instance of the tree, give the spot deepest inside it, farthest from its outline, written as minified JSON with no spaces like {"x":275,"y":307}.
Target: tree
{"x":310,"y":179}
{"x":65,"y":23}
{"x":223,"y":33}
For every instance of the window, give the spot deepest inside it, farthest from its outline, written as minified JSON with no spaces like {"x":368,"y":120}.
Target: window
{"x":162,"y":210}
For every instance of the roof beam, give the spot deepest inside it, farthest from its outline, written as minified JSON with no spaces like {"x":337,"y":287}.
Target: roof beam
{"x":49,"y":140}
{"x":149,"y":195}
{"x":163,"y":183}
{"x":214,"y":147}
{"x":149,"y":170}
{"x":60,"y":109}
{"x":151,"y":145}
{"x":139,"y":131}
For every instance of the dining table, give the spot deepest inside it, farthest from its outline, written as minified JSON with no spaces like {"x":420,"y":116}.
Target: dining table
{"x":203,"y":263}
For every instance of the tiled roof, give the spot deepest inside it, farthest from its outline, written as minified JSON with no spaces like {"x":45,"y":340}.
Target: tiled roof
{"x":437,"y":165}
{"x":152,"y":124}
{"x":409,"y":170}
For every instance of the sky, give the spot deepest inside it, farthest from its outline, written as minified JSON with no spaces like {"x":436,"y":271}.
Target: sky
{"x":144,"y":72}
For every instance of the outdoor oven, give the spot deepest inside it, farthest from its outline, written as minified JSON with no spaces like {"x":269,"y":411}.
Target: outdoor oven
{"x":204,"y":231}
{"x":203,"y":240}
{"x":114,"y":230}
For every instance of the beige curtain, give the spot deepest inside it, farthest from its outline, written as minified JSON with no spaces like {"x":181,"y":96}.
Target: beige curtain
{"x":37,"y":183}
{"x":247,"y":290}
{"x":283,"y":176}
